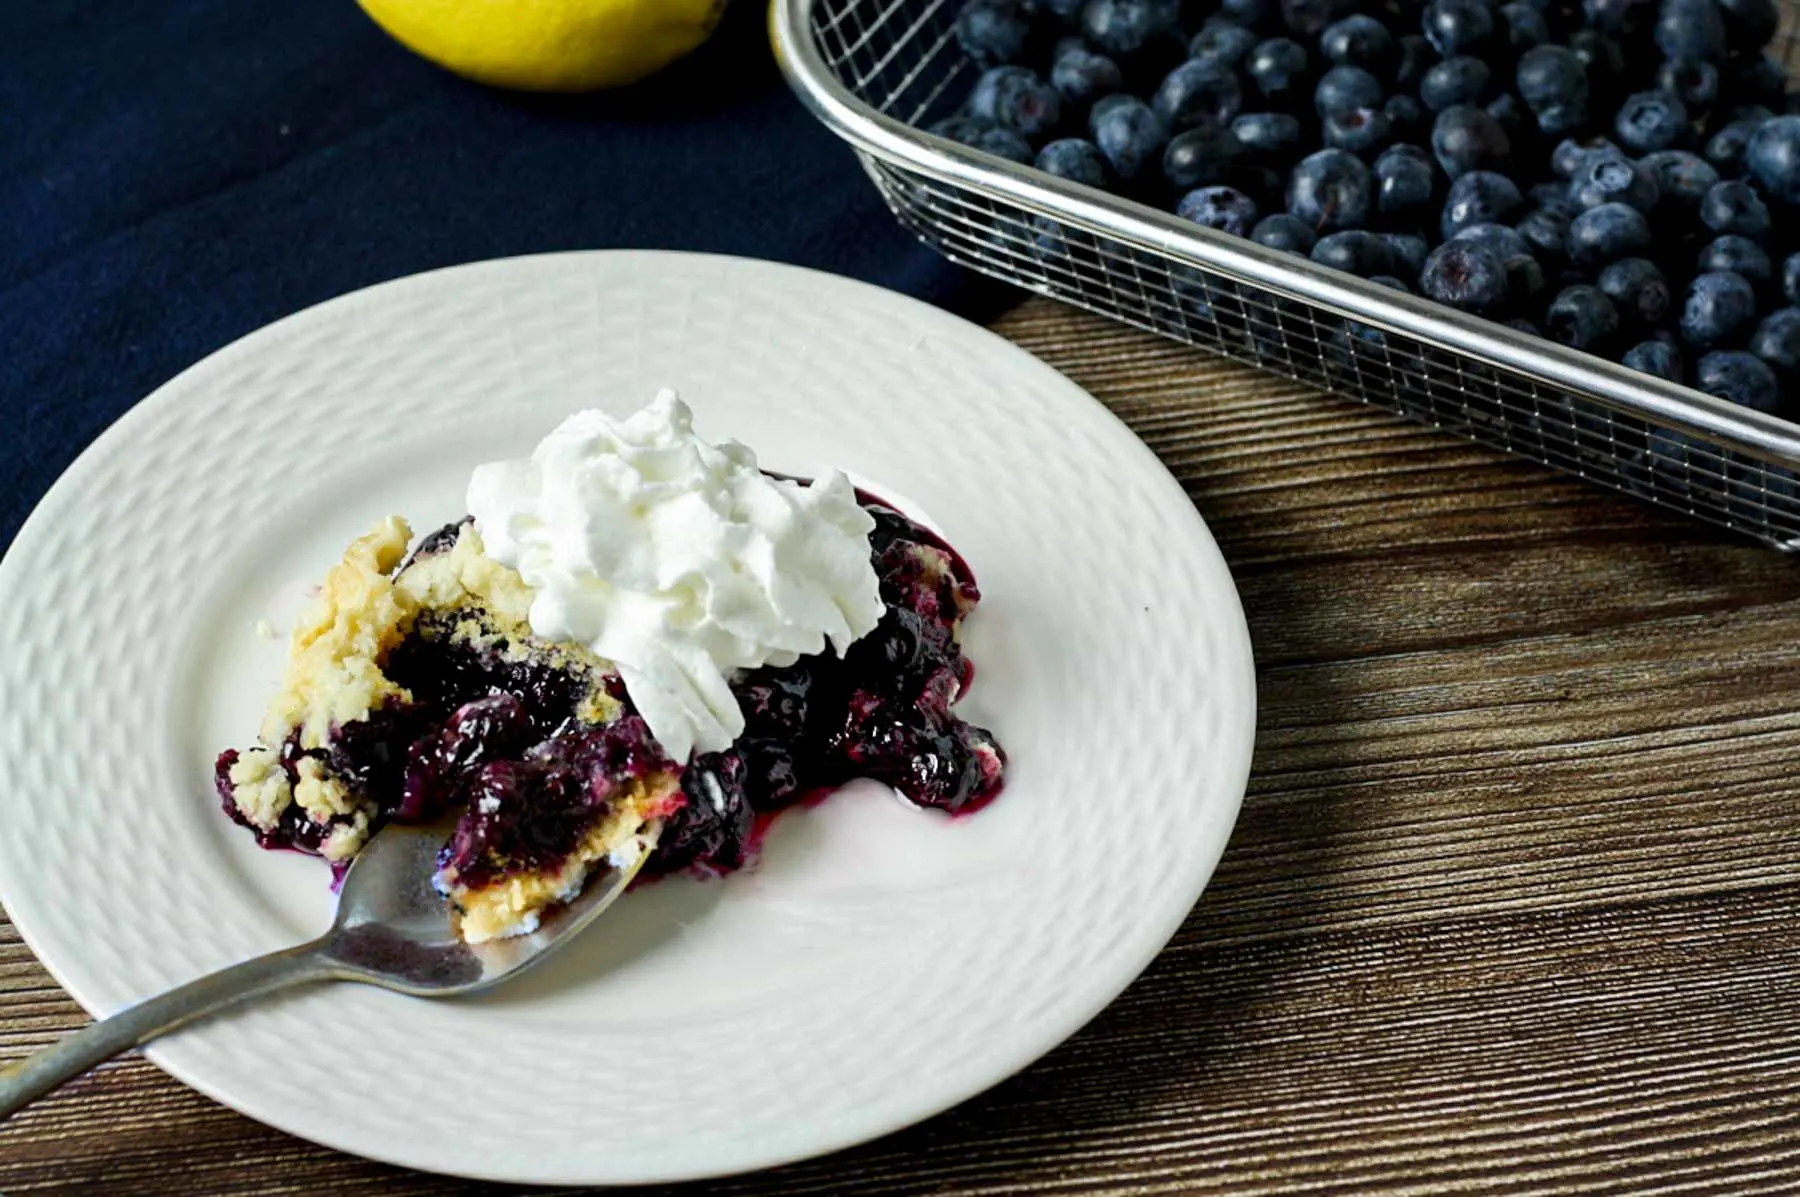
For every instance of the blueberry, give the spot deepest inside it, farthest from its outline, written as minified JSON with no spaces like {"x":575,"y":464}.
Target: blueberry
{"x":1639,"y":290}
{"x":1354,"y":251}
{"x":1655,"y":357}
{"x":1524,"y":276}
{"x":1414,"y":59}
{"x":1741,"y":378}
{"x":993,"y":31}
{"x":1063,"y":10}
{"x":1777,"y":341}
{"x":1458,"y":80}
{"x":1773,"y":158}
{"x":1614,"y":179}
{"x":1651,"y":121}
{"x":1465,"y":276}
{"x":1497,"y":239}
{"x":1225,"y":43}
{"x":1749,"y":24}
{"x":1725,"y":149}
{"x":1388,"y":280}
{"x":1410,"y":252}
{"x":1570,"y":154}
{"x":1406,"y":116}
{"x":1268,"y":136}
{"x":1282,"y":231}
{"x":1224,"y":208}
{"x":1330,"y":190}
{"x":1280,"y":70}
{"x":1015,"y":98}
{"x":775,"y":702}
{"x":1458,"y":26}
{"x":1790,"y":279}
{"x":1074,"y":158}
{"x":1608,"y":233}
{"x":1204,"y":154}
{"x":1360,"y":41}
{"x":985,"y":135}
{"x":1695,"y":84}
{"x":1523,"y":325}
{"x":771,"y":779}
{"x":1466,"y":139}
{"x":1129,"y":133}
{"x":1126,"y":26}
{"x":1554,"y":196}
{"x":1524,"y":26}
{"x":1682,"y":178}
{"x":1479,"y":197}
{"x":1719,"y":309}
{"x":1082,"y":76}
{"x":1734,"y":207}
{"x":1582,"y":317}
{"x":1739,"y":255}
{"x":1546,"y":233}
{"x":1359,"y":130}
{"x":1406,"y":183}
{"x":1346,"y":87}
{"x":1690,"y":31}
{"x":1198,"y":91}
{"x":1553,"y":83}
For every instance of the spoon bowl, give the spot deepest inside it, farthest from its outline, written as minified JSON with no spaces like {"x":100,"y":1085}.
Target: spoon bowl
{"x":392,"y":929}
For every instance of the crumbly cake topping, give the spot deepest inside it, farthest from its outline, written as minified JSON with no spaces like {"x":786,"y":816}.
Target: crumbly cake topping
{"x":347,"y":838}
{"x":333,"y":673}
{"x":363,"y":611}
{"x":320,"y":795}
{"x":259,"y":786}
{"x":466,"y":577}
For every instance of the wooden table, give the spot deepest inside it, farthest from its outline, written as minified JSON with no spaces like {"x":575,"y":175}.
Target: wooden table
{"x":1512,"y":905}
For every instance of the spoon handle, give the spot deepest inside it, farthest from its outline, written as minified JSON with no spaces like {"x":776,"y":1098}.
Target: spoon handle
{"x":29,"y":1079}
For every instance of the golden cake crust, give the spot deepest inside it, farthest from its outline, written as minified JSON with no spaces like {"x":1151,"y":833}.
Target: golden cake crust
{"x":365,"y":607}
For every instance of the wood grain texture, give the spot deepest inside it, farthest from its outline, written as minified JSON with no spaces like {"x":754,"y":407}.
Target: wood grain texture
{"x":1512,"y":906}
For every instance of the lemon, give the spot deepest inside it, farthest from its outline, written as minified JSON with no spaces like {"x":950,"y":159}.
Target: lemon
{"x":548,"y":45}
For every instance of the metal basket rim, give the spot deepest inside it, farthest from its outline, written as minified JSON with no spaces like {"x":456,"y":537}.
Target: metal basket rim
{"x":1580,"y":374}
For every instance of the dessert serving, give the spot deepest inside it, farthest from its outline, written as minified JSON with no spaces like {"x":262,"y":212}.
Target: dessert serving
{"x":637,"y":642}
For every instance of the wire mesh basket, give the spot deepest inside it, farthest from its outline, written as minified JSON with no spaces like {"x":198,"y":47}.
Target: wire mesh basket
{"x":876,"y":70}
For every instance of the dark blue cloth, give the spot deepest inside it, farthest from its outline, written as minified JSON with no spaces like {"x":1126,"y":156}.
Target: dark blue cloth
{"x":175,"y":175}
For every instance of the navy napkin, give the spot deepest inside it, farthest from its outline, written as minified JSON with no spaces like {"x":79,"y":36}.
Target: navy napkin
{"x":173,"y":176}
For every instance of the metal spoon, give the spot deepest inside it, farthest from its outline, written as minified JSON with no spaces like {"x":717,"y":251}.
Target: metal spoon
{"x":392,"y":929}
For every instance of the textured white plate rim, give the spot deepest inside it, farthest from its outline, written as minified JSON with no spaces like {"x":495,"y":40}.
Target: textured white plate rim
{"x":66,"y":964}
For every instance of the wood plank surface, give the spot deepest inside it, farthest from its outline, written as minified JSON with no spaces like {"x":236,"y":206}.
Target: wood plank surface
{"x":1513,"y":905}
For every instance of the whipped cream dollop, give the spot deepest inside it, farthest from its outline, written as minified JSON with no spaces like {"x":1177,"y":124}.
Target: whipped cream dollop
{"x":678,"y":560}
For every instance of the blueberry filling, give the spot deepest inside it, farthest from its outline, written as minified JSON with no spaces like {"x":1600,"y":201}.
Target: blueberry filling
{"x":499,"y":732}
{"x":526,"y":815}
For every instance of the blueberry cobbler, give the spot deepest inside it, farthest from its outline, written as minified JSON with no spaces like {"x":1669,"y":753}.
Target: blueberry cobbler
{"x":636,"y":642}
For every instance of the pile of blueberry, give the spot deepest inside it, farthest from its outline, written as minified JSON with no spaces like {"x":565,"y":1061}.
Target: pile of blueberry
{"x":1622,"y":176}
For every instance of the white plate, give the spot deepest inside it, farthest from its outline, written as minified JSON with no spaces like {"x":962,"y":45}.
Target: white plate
{"x":880,"y":965}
